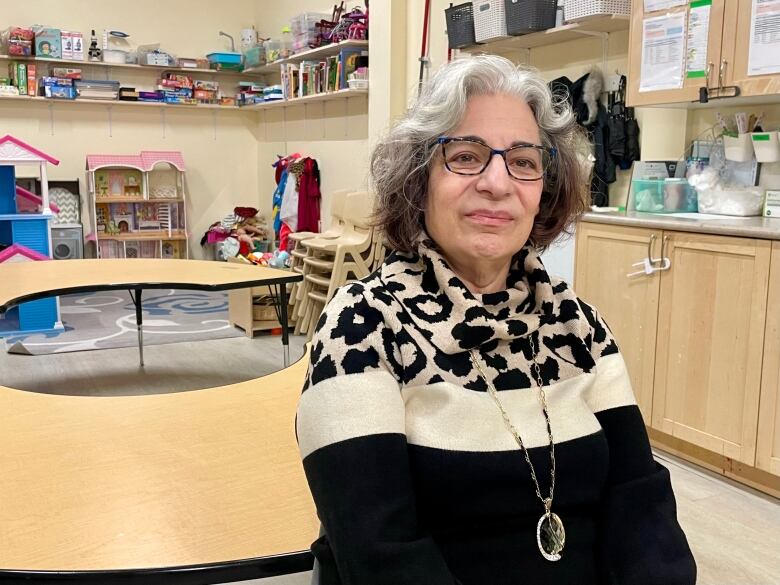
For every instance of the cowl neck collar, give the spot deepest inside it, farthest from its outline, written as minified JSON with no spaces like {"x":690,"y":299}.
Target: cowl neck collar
{"x":452,"y":317}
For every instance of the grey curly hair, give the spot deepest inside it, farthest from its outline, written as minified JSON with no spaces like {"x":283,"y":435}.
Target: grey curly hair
{"x":401,"y":160}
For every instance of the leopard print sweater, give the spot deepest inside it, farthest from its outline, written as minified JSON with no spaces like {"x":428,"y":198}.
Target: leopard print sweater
{"x":415,"y":477}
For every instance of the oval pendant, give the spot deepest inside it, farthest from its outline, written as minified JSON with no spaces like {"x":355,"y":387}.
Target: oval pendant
{"x":550,"y":536}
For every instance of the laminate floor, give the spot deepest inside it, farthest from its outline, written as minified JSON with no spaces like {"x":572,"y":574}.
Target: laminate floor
{"x":733,"y":531}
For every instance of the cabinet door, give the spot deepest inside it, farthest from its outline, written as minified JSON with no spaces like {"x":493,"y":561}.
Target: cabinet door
{"x":736,"y":47}
{"x":690,"y":90}
{"x":605,"y":255}
{"x":768,"y":448}
{"x":710,"y":340}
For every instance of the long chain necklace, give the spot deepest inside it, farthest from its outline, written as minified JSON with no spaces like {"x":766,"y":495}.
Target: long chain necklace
{"x":550,"y":534}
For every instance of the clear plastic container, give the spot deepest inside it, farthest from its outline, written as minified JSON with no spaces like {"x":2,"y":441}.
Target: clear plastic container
{"x":286,"y":48}
{"x":255,"y":57}
{"x":273,"y":50}
{"x":745,"y":201}
{"x":307,"y":21}
{"x":663,"y":196}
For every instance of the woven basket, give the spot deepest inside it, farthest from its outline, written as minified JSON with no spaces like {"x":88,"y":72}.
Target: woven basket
{"x":489,"y":20}
{"x":460,"y":25}
{"x":574,"y":10}
{"x":527,"y":16}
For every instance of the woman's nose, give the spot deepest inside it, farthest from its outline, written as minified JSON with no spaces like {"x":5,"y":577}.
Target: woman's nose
{"x":495,"y":178}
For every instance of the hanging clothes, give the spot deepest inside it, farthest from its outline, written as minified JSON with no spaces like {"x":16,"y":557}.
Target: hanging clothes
{"x":584,"y":96}
{"x":309,"y":197}
{"x":280,"y":175}
{"x":289,"y":211}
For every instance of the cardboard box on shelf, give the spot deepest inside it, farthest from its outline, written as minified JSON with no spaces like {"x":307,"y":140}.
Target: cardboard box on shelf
{"x":48,"y":43}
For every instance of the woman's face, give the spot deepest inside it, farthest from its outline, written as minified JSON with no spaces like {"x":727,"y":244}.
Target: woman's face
{"x":485,"y":217}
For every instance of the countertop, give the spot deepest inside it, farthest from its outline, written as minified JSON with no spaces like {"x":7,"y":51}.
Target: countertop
{"x":746,"y":227}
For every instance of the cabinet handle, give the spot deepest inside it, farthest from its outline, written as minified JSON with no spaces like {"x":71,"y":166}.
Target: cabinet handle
{"x":650,"y":243}
{"x":722,"y":72}
{"x":666,"y":263}
{"x":710,"y":66}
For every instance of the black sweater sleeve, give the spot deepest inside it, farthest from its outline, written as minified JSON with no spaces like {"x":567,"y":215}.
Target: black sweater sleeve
{"x":641,"y":541}
{"x":350,"y":427}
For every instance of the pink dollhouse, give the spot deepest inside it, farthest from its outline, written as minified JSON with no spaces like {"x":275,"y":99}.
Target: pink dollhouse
{"x":138,"y":205}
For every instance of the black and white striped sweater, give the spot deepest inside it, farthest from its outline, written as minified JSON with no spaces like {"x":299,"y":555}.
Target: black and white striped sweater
{"x":415,"y":477}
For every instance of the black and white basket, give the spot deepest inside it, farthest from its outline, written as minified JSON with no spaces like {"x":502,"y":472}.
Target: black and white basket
{"x":527,"y":16}
{"x":574,"y":10}
{"x":460,"y":25}
{"x":489,"y":20}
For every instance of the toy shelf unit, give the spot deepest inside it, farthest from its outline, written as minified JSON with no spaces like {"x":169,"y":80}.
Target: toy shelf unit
{"x":138,"y":204}
{"x":25,"y":233}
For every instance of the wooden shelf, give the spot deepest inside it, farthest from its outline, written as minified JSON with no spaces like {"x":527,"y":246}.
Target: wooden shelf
{"x":143,"y":236}
{"x":311,"y":54}
{"x":320,"y":97}
{"x":136,"y":200}
{"x":81,"y":101}
{"x":560,"y":34}
{"x":154,"y":68}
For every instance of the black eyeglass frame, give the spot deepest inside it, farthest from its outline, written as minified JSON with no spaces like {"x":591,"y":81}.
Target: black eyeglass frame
{"x":444,"y":140}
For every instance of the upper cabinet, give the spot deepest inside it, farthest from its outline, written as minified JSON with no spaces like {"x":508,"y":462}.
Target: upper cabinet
{"x":736,"y":45}
{"x":728,"y":52}
{"x":689,"y":92}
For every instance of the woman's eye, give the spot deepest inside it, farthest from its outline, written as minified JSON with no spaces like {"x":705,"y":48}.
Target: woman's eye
{"x":524,"y":163}
{"x":465,"y":158}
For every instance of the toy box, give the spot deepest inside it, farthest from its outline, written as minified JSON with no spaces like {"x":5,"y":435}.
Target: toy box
{"x":48,"y":43}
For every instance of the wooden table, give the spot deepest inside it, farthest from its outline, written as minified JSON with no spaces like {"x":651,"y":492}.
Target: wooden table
{"x":191,"y":487}
{"x":30,"y":281}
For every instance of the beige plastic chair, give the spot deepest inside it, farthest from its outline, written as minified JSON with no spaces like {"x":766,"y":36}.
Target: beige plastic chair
{"x":298,"y":252}
{"x":351,"y":255}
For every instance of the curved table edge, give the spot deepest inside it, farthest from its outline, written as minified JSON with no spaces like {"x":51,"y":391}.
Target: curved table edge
{"x":221,"y":572}
{"x":55,"y":292}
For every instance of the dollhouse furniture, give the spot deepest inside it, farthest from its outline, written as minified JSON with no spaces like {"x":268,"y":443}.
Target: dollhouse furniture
{"x":138,"y":205}
{"x":24,"y":220}
{"x":24,"y":282}
{"x":123,"y":489}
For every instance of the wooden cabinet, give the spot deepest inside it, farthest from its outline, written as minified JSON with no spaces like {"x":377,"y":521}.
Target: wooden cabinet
{"x":693,"y":335}
{"x":708,"y":354}
{"x":605,"y":254}
{"x":252,"y":309}
{"x":690,"y":90}
{"x":736,"y":43}
{"x":727,"y":53}
{"x":768,"y":448}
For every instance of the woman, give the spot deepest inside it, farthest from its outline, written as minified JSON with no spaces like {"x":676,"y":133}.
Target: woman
{"x":465,"y":419}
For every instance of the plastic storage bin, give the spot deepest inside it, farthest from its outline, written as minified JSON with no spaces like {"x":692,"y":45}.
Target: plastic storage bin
{"x":527,"y":16}
{"x":766,"y":146}
{"x":255,"y":57}
{"x":273,"y":50}
{"x":460,"y":25}
{"x":739,"y":148}
{"x":489,"y":20}
{"x":663,"y":196}
{"x":224,"y":58}
{"x":746,"y":201}
{"x":574,"y":10}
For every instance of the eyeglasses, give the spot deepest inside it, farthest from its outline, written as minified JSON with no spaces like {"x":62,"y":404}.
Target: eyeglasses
{"x":524,"y":162}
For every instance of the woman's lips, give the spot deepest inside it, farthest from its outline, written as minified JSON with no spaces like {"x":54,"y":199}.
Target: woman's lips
{"x":489,"y":218}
